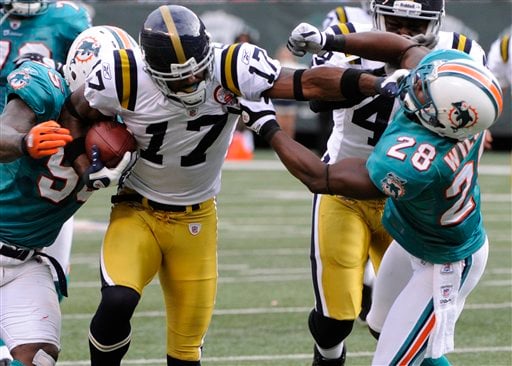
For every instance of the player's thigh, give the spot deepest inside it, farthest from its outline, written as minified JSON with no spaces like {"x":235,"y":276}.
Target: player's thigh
{"x":394,"y":274}
{"x":409,"y":320}
{"x":340,"y":245}
{"x":131,"y":255}
{"x":30,"y":307}
{"x":189,"y":281}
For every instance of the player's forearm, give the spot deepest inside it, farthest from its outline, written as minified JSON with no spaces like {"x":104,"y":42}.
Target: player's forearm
{"x":379,"y":46}
{"x":348,"y":177}
{"x":300,"y":162}
{"x":322,"y":83}
{"x":15,"y":121}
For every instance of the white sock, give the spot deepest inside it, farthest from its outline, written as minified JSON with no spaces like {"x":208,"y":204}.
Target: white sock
{"x":331,"y":353}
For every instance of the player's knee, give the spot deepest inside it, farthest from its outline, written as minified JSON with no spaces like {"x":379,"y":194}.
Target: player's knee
{"x":112,"y":318}
{"x":171,"y":361}
{"x":118,"y":302}
{"x":328,"y":332}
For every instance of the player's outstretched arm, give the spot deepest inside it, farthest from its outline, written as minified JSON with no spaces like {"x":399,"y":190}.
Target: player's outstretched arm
{"x":387,"y":47}
{"x":348,"y":177}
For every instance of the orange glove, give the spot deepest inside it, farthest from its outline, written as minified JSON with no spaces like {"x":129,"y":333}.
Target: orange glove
{"x":45,"y":139}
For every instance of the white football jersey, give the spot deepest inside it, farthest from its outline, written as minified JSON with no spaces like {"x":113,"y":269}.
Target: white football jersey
{"x":499,"y":59}
{"x":357,"y":130}
{"x":181,"y":151}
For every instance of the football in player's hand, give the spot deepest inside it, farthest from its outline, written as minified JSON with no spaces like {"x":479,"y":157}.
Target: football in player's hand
{"x":112,"y":139}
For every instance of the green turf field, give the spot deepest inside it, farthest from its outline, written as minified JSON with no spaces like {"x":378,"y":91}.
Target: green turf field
{"x":264,"y":288}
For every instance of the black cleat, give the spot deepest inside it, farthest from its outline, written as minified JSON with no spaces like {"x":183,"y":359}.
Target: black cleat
{"x":319,"y":360}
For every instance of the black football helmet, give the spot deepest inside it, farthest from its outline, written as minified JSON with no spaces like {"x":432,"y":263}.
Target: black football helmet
{"x":431,"y":10}
{"x":176,"y":46}
{"x":24,"y":8}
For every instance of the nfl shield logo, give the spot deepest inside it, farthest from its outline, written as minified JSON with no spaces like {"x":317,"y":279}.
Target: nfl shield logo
{"x":194,"y":228}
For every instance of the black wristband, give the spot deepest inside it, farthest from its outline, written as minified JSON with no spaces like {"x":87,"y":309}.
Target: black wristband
{"x":74,"y":149}
{"x":297,"y":85}
{"x":334,"y":43}
{"x":349,"y":84}
{"x":269,"y":129}
{"x":24,"y":145}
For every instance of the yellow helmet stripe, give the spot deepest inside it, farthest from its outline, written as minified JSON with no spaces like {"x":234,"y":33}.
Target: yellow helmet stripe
{"x":173,"y":34}
{"x":505,"y":41}
{"x":342,"y":15}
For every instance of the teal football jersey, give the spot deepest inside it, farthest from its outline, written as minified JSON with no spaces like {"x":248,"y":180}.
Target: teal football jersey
{"x":434,"y":205}
{"x":49,"y":34}
{"x":38,"y":195}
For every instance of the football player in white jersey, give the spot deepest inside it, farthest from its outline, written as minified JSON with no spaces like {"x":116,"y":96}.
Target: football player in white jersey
{"x":178,"y":94}
{"x":346,"y":232}
{"x":499,"y":59}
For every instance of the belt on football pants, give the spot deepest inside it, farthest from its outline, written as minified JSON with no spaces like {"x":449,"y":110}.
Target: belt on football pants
{"x":22,"y":254}
{"x":135,"y":197}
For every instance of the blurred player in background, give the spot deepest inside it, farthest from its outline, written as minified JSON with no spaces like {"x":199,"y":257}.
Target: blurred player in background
{"x":346,"y":232}
{"x":42,"y":28}
{"x":40,"y":191}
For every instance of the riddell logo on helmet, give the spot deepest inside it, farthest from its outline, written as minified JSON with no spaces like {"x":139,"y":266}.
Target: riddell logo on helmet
{"x":88,"y":49}
{"x":462,"y":115}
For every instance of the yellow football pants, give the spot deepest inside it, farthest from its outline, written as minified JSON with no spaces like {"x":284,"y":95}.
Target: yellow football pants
{"x":345,"y":234}
{"x":182,"y":248}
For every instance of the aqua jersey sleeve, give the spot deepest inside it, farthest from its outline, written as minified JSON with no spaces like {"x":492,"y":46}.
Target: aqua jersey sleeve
{"x":42,"y":88}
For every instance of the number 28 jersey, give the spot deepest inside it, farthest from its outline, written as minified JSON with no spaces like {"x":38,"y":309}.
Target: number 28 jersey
{"x":181,"y":151}
{"x":433,"y":209}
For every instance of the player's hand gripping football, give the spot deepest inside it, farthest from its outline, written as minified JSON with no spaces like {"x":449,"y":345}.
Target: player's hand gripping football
{"x":306,"y":38}
{"x":99,"y":176}
{"x":389,"y":86}
{"x":45,"y":139}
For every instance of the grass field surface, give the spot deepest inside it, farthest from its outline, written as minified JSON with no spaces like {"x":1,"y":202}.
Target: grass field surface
{"x":265,"y":293}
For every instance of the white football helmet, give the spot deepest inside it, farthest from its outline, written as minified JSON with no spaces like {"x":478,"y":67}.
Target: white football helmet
{"x":84,"y":53}
{"x":455,"y":98}
{"x":431,"y":10}
{"x":24,"y":8}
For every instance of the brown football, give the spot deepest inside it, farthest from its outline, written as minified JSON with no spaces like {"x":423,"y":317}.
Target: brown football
{"x":113,"y":140}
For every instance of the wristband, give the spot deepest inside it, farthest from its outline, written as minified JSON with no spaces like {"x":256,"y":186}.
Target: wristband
{"x":74,"y":149}
{"x":24,"y":146}
{"x":297,"y":85}
{"x":269,"y":129}
{"x":334,"y":43}
{"x":349,"y":84}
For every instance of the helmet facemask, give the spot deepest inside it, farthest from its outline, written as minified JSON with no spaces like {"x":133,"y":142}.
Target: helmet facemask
{"x":190,"y":97}
{"x":25,"y":8}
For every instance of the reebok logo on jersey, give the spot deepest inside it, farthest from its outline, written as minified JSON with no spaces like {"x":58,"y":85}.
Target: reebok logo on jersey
{"x":106,"y":71}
